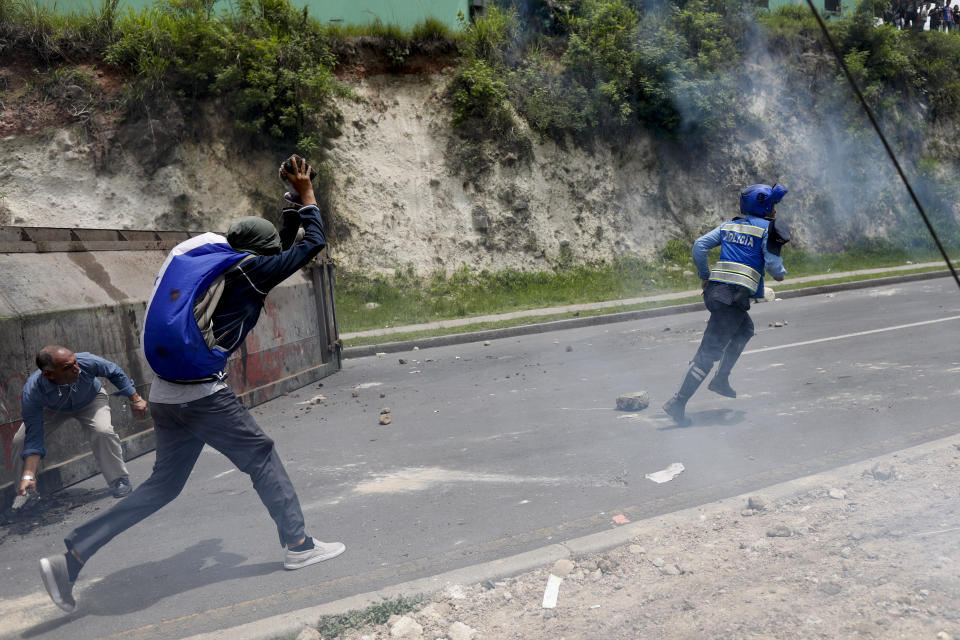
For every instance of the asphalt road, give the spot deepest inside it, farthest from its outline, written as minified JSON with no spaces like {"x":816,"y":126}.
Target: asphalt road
{"x":499,"y":449}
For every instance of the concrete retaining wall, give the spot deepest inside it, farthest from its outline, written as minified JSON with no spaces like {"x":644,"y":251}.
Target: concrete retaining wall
{"x":54,"y":291}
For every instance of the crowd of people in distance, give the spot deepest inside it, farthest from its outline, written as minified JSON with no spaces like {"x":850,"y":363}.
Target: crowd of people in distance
{"x":923,"y":16}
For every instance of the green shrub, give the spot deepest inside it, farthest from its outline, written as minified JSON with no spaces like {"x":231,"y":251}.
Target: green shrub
{"x":175,"y":43}
{"x":677,"y":251}
{"x":550,"y":101}
{"x":431,"y":29}
{"x":338,"y":625}
{"x":600,"y":57}
{"x":266,"y":58}
{"x":34,"y":27}
{"x":479,"y":93}
{"x":488,"y":37}
{"x":270,"y":61}
{"x":478,"y":89}
{"x":592,"y":67}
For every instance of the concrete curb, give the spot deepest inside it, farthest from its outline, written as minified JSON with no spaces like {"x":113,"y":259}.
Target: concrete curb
{"x":624,"y":316}
{"x":289,"y":624}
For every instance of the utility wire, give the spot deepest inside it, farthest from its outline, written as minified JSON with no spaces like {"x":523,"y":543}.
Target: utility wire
{"x":883,"y":138}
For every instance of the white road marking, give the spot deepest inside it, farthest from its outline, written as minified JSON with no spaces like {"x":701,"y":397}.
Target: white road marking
{"x":852,"y":335}
{"x":421,"y":478}
{"x":220,"y":475}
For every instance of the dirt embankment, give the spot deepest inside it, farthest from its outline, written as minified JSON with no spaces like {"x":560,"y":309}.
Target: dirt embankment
{"x":409,"y":190}
{"x":73,"y":159}
{"x":871,"y":553}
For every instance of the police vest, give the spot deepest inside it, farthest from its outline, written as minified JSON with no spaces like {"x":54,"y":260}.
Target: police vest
{"x":741,"y":253}
{"x":173,"y":342}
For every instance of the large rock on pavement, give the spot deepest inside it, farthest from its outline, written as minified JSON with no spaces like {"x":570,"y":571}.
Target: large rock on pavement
{"x":633,"y":401}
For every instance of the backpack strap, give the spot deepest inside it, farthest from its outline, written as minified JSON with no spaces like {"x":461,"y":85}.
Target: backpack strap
{"x":237,"y":267}
{"x":206,"y":304}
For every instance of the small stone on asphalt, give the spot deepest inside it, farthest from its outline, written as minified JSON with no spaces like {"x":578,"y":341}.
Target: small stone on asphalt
{"x":830,"y":588}
{"x":779,"y":531}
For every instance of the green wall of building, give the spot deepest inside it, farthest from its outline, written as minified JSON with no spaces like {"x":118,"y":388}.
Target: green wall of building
{"x":828,"y":8}
{"x":404,"y":13}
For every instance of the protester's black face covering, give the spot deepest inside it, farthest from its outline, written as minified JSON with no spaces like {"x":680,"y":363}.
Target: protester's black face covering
{"x":254,"y":235}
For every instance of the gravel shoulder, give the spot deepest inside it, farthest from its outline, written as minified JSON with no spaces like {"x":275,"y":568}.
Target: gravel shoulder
{"x":868,"y":551}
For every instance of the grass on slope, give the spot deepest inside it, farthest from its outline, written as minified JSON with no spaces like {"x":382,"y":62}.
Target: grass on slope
{"x":405,"y":298}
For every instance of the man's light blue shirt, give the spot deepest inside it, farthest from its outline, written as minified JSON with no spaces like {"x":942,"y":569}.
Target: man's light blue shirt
{"x":39,"y":393}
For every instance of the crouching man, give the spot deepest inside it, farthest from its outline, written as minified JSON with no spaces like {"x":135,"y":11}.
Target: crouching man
{"x":66,"y":388}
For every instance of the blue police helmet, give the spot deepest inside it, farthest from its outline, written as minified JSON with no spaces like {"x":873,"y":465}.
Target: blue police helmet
{"x":758,"y":199}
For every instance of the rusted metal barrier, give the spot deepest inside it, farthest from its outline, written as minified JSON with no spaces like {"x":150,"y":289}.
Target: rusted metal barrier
{"x":87,"y":289}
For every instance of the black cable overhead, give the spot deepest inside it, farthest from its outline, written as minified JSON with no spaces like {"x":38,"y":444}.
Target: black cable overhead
{"x":883,"y":138}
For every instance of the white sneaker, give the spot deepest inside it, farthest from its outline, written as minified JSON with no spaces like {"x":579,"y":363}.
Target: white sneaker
{"x":53,"y":571}
{"x":321,"y":551}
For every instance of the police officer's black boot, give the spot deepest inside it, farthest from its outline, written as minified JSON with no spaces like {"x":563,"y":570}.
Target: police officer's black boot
{"x":721,"y":380}
{"x":676,"y":406}
{"x":721,"y":384}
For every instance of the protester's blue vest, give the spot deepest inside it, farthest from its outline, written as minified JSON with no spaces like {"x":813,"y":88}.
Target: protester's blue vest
{"x":741,"y":253}
{"x":172,"y":341}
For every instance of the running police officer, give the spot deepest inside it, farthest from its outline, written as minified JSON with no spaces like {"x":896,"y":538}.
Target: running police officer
{"x":748,"y":244}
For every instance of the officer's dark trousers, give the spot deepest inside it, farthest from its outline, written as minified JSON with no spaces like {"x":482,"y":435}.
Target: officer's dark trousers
{"x":728,"y":330}
{"x":222,"y":422}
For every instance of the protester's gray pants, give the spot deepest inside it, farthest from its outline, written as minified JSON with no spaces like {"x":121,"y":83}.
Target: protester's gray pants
{"x":94,"y":419}
{"x":222,"y":422}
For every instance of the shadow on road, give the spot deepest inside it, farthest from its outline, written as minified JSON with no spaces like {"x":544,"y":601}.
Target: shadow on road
{"x":710,"y":418}
{"x":141,"y":586}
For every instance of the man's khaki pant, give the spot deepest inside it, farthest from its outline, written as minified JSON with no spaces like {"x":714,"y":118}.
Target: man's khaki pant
{"x":95,"y":421}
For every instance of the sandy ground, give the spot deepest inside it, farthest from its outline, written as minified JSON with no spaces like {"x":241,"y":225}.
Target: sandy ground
{"x":871,"y":555}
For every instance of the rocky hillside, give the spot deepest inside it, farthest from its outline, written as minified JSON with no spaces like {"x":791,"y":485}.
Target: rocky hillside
{"x":408,"y":190}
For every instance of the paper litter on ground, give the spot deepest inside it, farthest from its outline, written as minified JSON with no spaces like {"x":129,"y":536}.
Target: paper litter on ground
{"x":667,"y":474}
{"x":551,"y":592}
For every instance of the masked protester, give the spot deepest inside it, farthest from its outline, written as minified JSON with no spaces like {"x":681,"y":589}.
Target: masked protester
{"x":749,"y":244}
{"x":207,"y":298}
